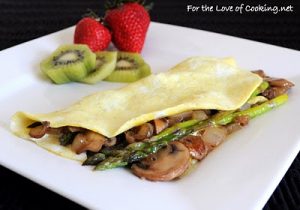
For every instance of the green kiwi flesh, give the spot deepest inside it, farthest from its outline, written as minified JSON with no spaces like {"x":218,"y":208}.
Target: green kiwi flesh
{"x":105,"y":65}
{"x":69,"y":63}
{"x":130,"y":67}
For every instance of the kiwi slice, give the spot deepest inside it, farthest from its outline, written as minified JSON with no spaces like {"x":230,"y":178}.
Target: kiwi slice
{"x":69,"y":63}
{"x":105,"y":65}
{"x":130,"y":67}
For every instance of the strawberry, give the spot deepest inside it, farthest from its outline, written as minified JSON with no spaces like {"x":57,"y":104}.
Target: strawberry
{"x":91,"y":32}
{"x":129,"y":22}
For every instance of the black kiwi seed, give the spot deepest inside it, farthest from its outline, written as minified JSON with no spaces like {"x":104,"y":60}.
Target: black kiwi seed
{"x":130,"y":60}
{"x":69,"y":63}
{"x":130,"y":67}
{"x":105,"y":65}
{"x":78,"y":53}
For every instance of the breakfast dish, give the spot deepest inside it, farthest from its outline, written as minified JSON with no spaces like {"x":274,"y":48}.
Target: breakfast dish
{"x":261,"y":152}
{"x":158,"y":124}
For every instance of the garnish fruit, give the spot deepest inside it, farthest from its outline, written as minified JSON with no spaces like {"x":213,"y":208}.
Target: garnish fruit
{"x":129,"y":22}
{"x":105,"y":65}
{"x":69,"y":63}
{"x":91,"y":32}
{"x":130,"y":67}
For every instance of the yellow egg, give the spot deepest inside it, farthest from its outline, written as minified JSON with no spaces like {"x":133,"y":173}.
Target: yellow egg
{"x":196,"y":83}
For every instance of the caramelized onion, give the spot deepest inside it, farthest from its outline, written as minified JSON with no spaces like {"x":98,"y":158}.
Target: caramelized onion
{"x":213,"y":136}
{"x":199,"y":115}
{"x":180,"y":117}
{"x":233,"y":127}
{"x":160,"y":125}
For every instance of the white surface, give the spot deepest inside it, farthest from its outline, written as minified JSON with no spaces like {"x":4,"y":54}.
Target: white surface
{"x":240,"y":174}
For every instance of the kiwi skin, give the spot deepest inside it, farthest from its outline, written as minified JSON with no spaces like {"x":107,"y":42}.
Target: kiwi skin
{"x":106,"y":65}
{"x":146,"y":70}
{"x":132,"y":69}
{"x":60,"y":70}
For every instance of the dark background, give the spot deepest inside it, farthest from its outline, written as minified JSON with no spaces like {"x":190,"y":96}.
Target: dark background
{"x":25,"y":20}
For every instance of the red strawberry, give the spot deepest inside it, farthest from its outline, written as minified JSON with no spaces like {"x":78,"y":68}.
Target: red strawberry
{"x":92,"y":33}
{"x":129,"y":23}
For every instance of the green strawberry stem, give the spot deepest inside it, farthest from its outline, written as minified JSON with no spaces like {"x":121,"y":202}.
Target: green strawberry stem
{"x":92,"y":14}
{"x":112,"y":4}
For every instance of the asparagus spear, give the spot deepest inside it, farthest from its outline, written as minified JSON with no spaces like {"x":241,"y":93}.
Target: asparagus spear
{"x":95,"y":159}
{"x":137,"y":151}
{"x":113,"y":162}
{"x":219,"y":119}
{"x":253,"y":111}
{"x":261,"y":88}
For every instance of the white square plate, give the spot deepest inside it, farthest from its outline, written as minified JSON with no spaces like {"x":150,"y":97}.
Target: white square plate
{"x":240,"y":174}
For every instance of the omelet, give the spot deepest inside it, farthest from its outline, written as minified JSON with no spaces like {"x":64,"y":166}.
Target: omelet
{"x":195,"y":83}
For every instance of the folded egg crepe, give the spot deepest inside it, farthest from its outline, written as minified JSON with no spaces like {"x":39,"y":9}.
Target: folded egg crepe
{"x":196,"y":83}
